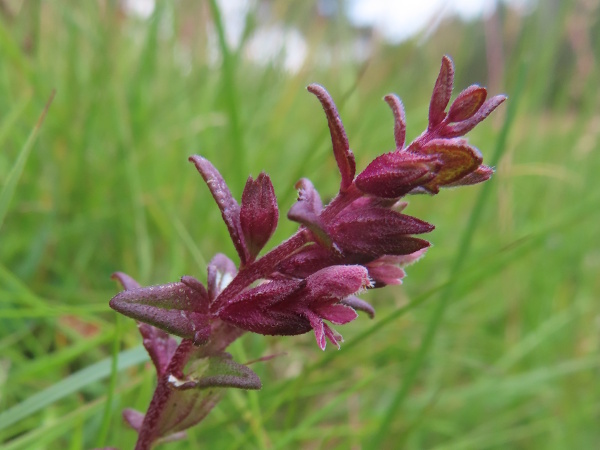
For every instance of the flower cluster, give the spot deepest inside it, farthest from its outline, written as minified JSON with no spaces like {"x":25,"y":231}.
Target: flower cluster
{"x":360,"y":240}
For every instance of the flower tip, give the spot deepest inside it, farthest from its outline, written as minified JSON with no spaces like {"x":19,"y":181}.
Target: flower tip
{"x":315,"y":88}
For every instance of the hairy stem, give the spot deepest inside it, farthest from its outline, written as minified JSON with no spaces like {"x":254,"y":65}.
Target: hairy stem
{"x":149,"y":429}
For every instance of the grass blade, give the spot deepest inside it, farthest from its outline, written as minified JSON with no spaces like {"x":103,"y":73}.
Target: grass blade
{"x":7,"y":192}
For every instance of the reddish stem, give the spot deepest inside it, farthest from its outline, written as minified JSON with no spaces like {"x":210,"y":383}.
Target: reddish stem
{"x":149,"y":430}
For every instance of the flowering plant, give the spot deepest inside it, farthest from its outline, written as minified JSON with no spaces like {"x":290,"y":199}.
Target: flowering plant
{"x":360,"y":240}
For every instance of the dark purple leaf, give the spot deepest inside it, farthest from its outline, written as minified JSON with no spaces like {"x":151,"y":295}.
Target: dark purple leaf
{"x":394,"y":174}
{"x":461,"y":128}
{"x":467,"y":103}
{"x":377,"y":232}
{"x":341,"y":149}
{"x":230,"y":210}
{"x":175,"y":308}
{"x":400,"y":119}
{"x":442,"y":92}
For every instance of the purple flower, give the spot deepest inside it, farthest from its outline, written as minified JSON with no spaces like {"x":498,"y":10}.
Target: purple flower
{"x":289,"y":307}
{"x":361,"y":240}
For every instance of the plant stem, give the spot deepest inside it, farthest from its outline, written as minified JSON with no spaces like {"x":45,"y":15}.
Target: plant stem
{"x":149,"y":430}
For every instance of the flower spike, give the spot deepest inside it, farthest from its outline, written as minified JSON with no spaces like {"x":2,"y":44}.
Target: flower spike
{"x":360,"y":240}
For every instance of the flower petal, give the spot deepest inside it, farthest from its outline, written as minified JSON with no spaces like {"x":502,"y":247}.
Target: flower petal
{"x":337,"y":313}
{"x":221,"y":270}
{"x":306,"y":210}
{"x":335,"y":282}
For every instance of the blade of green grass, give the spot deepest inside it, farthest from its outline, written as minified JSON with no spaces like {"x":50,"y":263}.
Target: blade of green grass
{"x":8,"y":190}
{"x":112,"y":384}
{"x":230,"y":94}
{"x":70,"y":385}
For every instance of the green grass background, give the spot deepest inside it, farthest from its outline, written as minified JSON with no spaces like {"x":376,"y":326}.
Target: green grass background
{"x":491,"y":343}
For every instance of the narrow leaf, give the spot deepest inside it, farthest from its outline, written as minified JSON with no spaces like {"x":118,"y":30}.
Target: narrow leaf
{"x":230,"y":210}
{"x":442,"y":91}
{"x":461,"y":128}
{"x":467,"y":103}
{"x":399,"y":119}
{"x":9,"y":187}
{"x":341,"y":149}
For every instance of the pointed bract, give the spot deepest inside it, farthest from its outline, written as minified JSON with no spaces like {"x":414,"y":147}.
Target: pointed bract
{"x":341,"y":149}
{"x":230,"y":210}
{"x":125,"y":280}
{"x":481,"y":174}
{"x":442,"y":91}
{"x":467,"y":103}
{"x":159,"y":345}
{"x":378,"y":231}
{"x":133,"y":418}
{"x":458,"y":159}
{"x":399,"y":119}
{"x":258,"y":214}
{"x":222,"y":372}
{"x":359,"y":305}
{"x":461,"y":128}
{"x":394,"y":174}
{"x":175,"y":308}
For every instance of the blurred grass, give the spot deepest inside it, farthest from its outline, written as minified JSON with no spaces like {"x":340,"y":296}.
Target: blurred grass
{"x":514,"y":361}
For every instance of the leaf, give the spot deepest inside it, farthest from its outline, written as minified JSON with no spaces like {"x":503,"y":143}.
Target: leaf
{"x":467,"y":103}
{"x":230,"y":210}
{"x":442,"y":91}
{"x":400,"y":119}
{"x":462,"y":128}
{"x":222,"y":372}
{"x":377,"y":232}
{"x":175,"y":308}
{"x":341,"y":149}
{"x":457,"y":160}
{"x":394,"y":174}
